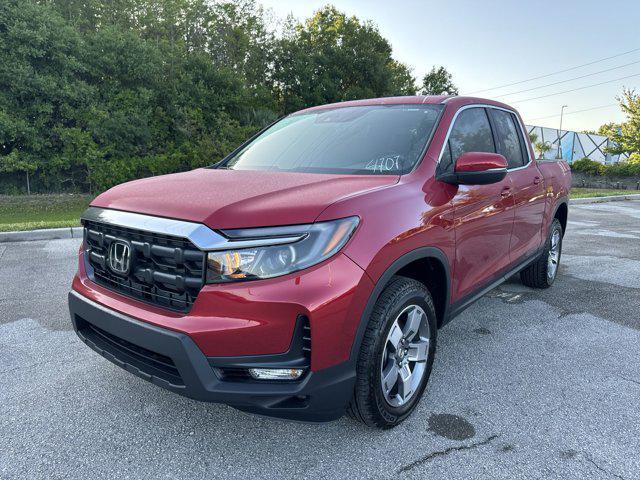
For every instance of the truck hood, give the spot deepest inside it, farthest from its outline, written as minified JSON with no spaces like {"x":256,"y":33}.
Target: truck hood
{"x":239,"y":198}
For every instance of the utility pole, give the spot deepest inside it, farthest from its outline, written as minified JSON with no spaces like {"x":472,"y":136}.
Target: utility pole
{"x":559,"y":155}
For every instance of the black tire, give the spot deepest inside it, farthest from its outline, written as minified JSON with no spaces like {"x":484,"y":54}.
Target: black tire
{"x":369,"y":404}
{"x":538,"y":274}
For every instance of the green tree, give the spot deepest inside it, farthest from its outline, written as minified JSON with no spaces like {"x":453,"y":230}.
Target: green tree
{"x":542,"y":148}
{"x":608,"y":129}
{"x":627,"y":135}
{"x":240,"y":40}
{"x":159,"y":110}
{"x":402,"y":80}
{"x":92,"y":96}
{"x":332,"y":57}
{"x":438,"y":82}
{"x":42,"y":89}
{"x":17,"y":162}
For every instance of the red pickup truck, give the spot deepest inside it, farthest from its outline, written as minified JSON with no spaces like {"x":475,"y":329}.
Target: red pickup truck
{"x":308,"y":273}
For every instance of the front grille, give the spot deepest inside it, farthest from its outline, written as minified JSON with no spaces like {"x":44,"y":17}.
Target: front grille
{"x":165,"y":271}
{"x":148,"y":362}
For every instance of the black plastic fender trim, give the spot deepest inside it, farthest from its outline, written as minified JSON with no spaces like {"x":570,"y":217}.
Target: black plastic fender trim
{"x":395,"y":267}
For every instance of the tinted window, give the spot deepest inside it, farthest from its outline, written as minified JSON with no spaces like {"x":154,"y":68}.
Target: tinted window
{"x":445,"y":161}
{"x":380,"y":139}
{"x":509,"y":144}
{"x":470,"y":133}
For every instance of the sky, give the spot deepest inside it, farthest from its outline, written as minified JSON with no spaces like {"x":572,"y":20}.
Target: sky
{"x":487,"y":44}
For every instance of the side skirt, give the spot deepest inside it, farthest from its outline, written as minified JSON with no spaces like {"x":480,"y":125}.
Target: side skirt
{"x":459,"y":306}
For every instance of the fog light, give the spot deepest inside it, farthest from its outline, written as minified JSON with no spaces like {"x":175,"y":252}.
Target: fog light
{"x":276,"y":373}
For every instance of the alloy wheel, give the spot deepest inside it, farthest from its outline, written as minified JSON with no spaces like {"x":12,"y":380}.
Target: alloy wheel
{"x":404,"y":359}
{"x":554,"y":255}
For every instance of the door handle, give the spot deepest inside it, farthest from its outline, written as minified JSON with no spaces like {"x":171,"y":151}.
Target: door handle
{"x":536,"y":180}
{"x":506,"y":191}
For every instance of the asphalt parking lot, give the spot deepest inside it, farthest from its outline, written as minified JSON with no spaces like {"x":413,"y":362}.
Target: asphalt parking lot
{"x":526,"y":384}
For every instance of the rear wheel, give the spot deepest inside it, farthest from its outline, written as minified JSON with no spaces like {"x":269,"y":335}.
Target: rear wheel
{"x":543,"y":271}
{"x":396,"y":355}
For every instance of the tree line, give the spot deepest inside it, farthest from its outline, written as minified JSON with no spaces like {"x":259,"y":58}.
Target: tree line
{"x":96,"y":93}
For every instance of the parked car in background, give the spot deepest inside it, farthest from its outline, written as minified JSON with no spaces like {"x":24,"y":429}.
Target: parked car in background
{"x":308,"y":273}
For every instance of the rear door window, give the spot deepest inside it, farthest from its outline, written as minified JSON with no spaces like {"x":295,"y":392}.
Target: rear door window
{"x":509,"y":141}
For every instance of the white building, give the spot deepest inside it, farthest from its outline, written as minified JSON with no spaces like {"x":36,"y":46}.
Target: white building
{"x":574,"y":146}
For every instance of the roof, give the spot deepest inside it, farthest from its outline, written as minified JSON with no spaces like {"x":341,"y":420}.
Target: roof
{"x":456,"y":101}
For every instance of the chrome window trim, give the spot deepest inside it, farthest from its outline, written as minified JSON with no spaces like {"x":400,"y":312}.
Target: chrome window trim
{"x":199,"y":234}
{"x":483,"y":105}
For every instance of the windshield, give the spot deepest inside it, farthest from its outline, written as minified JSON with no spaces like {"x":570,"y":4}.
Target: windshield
{"x":380,"y":140}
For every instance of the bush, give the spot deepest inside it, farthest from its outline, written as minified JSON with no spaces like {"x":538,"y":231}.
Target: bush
{"x":628,"y":168}
{"x":623,"y":169}
{"x":588,"y":166}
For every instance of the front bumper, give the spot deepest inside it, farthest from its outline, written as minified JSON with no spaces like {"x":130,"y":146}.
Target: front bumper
{"x":256,"y":318}
{"x":172,"y":360}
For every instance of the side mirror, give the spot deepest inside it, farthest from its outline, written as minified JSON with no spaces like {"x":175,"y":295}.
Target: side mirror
{"x":477,"y":168}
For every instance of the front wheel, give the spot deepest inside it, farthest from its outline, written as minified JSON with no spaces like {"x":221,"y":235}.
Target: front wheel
{"x":396,"y":355}
{"x":543,"y":271}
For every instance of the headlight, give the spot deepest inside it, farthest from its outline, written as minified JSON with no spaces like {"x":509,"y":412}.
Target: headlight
{"x":278,"y":250}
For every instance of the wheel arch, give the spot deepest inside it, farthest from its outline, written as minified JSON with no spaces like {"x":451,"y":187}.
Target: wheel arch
{"x":561,"y":212}
{"x":409,"y":265}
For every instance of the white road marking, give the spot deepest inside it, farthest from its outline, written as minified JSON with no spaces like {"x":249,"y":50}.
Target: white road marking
{"x":606,"y":233}
{"x":576,"y":223}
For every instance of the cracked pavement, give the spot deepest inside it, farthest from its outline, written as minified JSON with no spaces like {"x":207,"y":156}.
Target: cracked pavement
{"x":526,"y":384}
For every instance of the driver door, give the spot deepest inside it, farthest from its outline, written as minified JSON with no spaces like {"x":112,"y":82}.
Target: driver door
{"x":483,"y":214}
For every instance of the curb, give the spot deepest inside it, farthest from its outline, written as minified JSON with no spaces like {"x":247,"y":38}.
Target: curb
{"x":43,"y":234}
{"x":613,"y":198}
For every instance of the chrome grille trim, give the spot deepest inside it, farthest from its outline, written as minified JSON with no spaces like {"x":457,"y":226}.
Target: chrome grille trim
{"x":198,"y":234}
